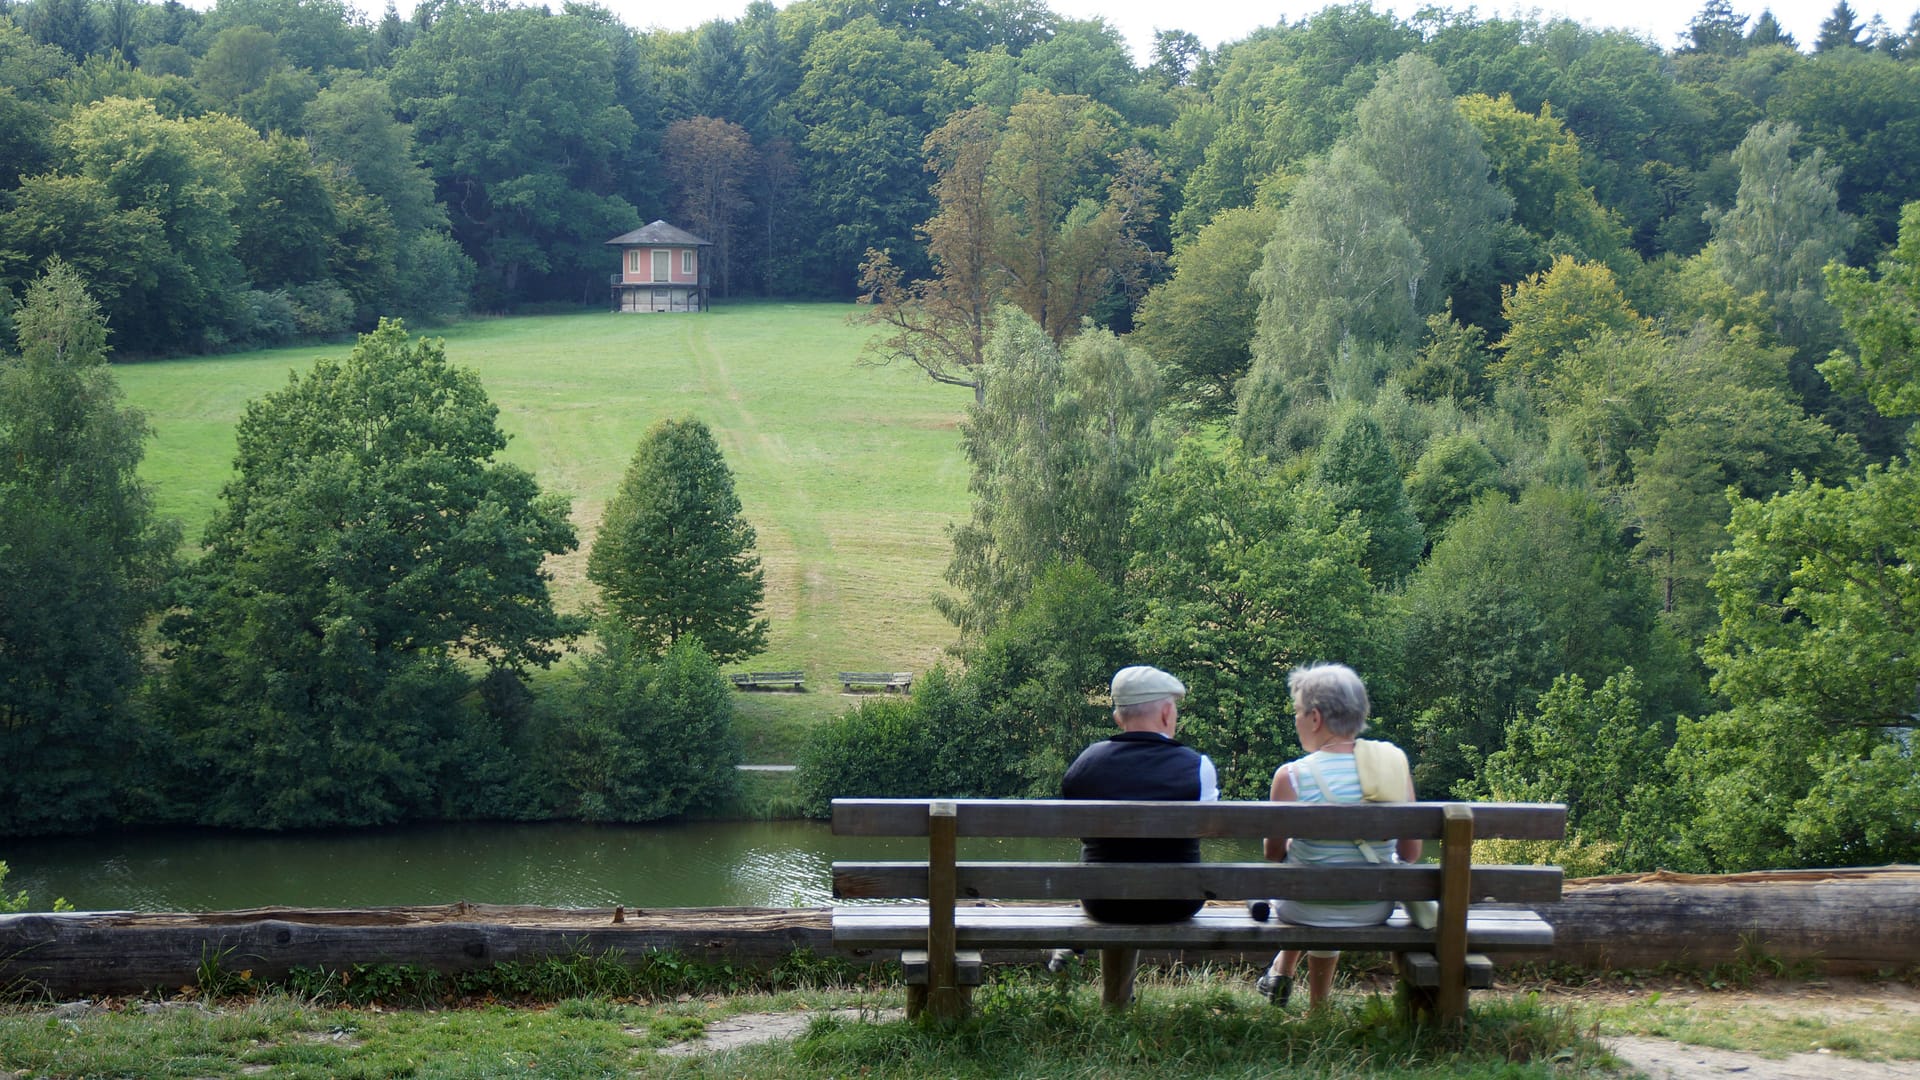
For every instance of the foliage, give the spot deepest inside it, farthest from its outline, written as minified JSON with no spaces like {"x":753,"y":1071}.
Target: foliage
{"x":367,"y":539}
{"x":1200,"y":322}
{"x":708,"y":160}
{"x":1238,"y":577}
{"x":644,"y":737}
{"x":82,"y":562}
{"x":883,"y":748}
{"x":1031,"y":679}
{"x":1811,"y":762}
{"x":1539,"y":163}
{"x":1411,"y":134}
{"x":1555,"y":311}
{"x":518,"y":115}
{"x":1784,"y":227}
{"x":1022,"y":221}
{"x":1882,"y":314}
{"x":1337,"y":278}
{"x":1586,"y":748}
{"x":1056,"y":451}
{"x":674,"y":559}
{"x":1452,"y":472}
{"x":1516,"y":593}
{"x":1357,"y":468}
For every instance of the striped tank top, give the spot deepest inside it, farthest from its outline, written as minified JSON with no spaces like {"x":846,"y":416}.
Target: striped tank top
{"x":1342,"y":780}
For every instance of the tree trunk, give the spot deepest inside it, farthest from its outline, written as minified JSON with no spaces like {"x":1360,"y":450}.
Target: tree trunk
{"x":1848,"y":921}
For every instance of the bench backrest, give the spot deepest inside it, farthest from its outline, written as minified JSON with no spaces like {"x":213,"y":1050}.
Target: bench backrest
{"x":1089,"y":817}
{"x":942,"y":873}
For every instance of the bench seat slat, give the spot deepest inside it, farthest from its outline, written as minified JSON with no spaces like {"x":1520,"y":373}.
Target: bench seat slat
{"x":1212,"y":881}
{"x":1077,"y":818}
{"x":1213,"y":928}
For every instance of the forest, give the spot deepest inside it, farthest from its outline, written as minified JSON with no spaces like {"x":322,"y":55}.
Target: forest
{"x":1559,"y":381}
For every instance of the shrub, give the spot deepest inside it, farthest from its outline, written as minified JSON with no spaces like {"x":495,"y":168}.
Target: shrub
{"x":879,"y":749}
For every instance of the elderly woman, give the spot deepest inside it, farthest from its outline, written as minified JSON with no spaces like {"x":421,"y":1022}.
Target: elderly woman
{"x":1330,"y":710}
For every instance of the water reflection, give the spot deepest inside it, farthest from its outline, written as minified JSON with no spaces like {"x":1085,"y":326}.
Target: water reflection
{"x":757,"y":864}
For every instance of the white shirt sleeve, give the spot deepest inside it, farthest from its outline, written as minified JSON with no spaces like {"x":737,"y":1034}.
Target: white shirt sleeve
{"x":1209,"y":781}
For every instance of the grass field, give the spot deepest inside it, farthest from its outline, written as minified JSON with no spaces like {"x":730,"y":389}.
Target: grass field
{"x":849,"y":473}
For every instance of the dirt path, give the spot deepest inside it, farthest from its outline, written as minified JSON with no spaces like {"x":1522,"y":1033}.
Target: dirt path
{"x":1659,"y":1059}
{"x":745,"y":1029}
{"x":1838,"y":1000}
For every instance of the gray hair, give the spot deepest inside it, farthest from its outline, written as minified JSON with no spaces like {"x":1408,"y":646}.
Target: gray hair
{"x":1334,"y":689}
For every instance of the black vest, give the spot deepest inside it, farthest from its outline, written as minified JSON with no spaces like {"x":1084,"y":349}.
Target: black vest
{"x":1136,"y":765}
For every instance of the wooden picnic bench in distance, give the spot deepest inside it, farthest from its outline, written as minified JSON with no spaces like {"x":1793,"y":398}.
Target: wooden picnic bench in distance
{"x":877,"y":680}
{"x":940,"y":941}
{"x":767,"y":680}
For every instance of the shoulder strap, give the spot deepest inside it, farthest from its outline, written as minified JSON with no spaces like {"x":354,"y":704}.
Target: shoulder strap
{"x":1313,"y":769}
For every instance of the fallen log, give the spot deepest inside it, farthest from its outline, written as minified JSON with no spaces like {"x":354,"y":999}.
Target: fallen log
{"x":127,"y":952}
{"x":1846,"y":921}
{"x":1849,"y":921}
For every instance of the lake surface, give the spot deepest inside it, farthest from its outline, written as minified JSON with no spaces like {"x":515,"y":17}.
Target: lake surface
{"x":748,"y":863}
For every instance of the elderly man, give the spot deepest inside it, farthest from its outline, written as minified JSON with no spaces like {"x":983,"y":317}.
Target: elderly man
{"x":1142,"y":762}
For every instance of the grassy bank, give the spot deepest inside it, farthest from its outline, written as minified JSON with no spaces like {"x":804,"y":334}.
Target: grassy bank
{"x":850,"y":474}
{"x":655,"y":1015}
{"x":1025,"y":1025}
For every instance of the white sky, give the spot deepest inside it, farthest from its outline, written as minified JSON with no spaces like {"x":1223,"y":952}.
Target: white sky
{"x":1217,"y":21}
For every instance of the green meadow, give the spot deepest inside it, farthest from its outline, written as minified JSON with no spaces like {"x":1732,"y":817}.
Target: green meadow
{"x":850,"y":473}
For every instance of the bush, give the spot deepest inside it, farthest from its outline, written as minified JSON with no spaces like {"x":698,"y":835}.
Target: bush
{"x":321,"y":309}
{"x":879,"y":749}
{"x":642,"y":739}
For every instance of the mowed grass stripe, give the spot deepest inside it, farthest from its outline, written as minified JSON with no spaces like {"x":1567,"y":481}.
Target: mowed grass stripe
{"x":850,"y":474}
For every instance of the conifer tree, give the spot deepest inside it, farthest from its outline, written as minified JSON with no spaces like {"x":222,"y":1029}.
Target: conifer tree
{"x":674,"y":558}
{"x":1357,"y":466}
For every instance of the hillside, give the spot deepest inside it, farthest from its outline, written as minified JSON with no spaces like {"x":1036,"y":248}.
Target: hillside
{"x":849,"y":473}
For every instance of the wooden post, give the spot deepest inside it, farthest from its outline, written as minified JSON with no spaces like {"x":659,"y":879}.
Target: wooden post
{"x":944,"y":997}
{"x":1118,"y":964}
{"x":1456,"y":895}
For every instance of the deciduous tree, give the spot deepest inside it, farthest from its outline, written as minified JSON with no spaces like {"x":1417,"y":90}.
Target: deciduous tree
{"x":1200,"y":321}
{"x":646,"y":736}
{"x":1357,"y":468}
{"x":1238,"y":577}
{"x":82,"y":561}
{"x":1055,"y":452}
{"x":1784,"y":228}
{"x":708,"y":161}
{"x":368,"y":538}
{"x":1883,"y":316}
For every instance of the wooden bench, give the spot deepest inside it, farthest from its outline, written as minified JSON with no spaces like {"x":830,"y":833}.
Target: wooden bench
{"x":877,"y":680}
{"x":767,"y":680}
{"x":941,"y":940}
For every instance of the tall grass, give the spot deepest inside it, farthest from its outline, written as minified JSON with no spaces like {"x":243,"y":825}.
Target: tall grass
{"x":849,"y":473}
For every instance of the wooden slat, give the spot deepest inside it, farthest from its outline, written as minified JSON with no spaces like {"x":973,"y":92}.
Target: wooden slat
{"x":1423,"y":969}
{"x":967,"y":967}
{"x":1210,"y":881}
{"x":1076,"y":818}
{"x":905,"y":926}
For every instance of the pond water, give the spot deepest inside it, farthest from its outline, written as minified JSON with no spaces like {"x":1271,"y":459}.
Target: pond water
{"x":749,"y":863}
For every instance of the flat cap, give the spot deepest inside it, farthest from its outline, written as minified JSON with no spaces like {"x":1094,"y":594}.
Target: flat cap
{"x":1139,"y":684}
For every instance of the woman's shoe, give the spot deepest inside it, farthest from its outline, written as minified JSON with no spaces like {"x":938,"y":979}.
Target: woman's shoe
{"x":1276,"y":988}
{"x":1260,"y":910}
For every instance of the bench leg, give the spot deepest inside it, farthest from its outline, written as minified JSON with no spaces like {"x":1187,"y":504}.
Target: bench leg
{"x":1117,"y":968}
{"x":1417,"y":1002}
